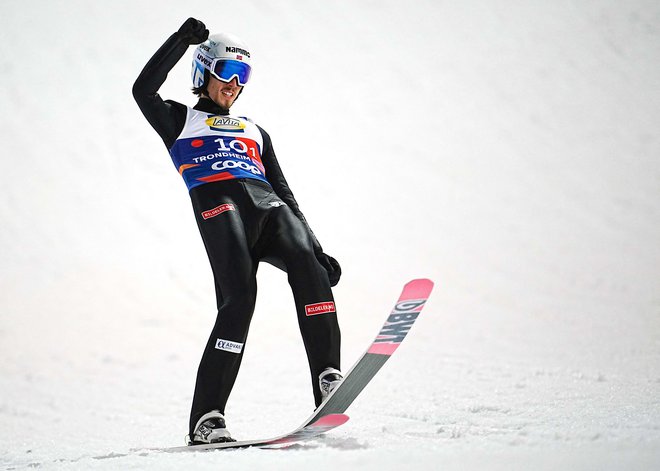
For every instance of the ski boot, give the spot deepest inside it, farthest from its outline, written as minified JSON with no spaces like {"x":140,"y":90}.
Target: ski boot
{"x":329,"y":380}
{"x":210,"y":428}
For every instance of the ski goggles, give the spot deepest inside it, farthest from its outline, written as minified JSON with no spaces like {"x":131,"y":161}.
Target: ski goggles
{"x":227,"y":69}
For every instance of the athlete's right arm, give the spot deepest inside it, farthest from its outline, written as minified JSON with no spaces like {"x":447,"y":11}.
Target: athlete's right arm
{"x":166,"y":117}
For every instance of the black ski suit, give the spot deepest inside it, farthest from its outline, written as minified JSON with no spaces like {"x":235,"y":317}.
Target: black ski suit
{"x":243,"y":221}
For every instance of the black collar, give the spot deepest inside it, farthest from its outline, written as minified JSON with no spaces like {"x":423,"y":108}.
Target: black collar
{"x":209,"y":106}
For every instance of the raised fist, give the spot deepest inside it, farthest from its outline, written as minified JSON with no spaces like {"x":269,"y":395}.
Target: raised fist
{"x":193,"y":31}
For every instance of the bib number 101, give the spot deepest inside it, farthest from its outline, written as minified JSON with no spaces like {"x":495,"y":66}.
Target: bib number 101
{"x":238,"y":146}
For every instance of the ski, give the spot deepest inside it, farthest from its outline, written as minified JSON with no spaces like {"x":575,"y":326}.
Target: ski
{"x":406,"y":310}
{"x":330,"y":414}
{"x":306,"y":431}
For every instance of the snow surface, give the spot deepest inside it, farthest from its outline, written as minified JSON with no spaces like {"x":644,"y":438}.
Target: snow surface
{"x":507,"y":150}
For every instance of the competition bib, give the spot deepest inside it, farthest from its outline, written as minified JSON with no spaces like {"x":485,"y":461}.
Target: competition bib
{"x":212,"y":148}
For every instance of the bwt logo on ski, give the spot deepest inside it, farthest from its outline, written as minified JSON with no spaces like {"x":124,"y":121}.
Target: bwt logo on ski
{"x":319,"y":308}
{"x":400,"y":321}
{"x":211,"y":213}
{"x":228,"y":346}
{"x":223,"y":123}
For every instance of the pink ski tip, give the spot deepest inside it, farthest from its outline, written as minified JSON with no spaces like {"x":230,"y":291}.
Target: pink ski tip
{"x":331,"y":420}
{"x":418,"y":289}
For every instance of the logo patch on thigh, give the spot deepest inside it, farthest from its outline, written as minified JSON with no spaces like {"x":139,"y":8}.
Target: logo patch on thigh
{"x":228,"y":346}
{"x":211,"y":213}
{"x":319,"y":308}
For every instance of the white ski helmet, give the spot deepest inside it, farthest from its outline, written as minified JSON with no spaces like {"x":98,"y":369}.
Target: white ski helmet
{"x":223,"y":55}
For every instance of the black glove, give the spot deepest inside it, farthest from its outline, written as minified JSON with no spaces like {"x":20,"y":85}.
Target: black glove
{"x":193,"y":31}
{"x":331,"y":266}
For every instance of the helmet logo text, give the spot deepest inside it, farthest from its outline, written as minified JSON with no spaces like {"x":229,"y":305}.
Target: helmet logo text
{"x":237,"y":50}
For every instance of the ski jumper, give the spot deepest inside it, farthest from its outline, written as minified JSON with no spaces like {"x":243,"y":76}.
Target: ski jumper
{"x":245,"y":212}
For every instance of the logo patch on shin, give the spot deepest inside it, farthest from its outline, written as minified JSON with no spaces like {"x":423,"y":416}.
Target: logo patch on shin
{"x":319,"y":308}
{"x":228,"y":346}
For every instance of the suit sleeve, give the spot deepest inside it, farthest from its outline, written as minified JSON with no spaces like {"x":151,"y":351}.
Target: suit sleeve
{"x":166,"y":117}
{"x":278,"y":182}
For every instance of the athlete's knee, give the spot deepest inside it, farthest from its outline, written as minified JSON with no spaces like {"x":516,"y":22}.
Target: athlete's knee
{"x":303,"y":257}
{"x":237,"y":302}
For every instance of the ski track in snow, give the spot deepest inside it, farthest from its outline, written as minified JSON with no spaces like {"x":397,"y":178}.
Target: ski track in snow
{"x":506,"y":150}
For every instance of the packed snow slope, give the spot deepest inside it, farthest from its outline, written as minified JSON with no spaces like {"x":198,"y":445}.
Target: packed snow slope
{"x":507,"y":150}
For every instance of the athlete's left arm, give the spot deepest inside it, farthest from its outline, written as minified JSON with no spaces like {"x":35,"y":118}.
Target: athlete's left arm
{"x":278,"y":182}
